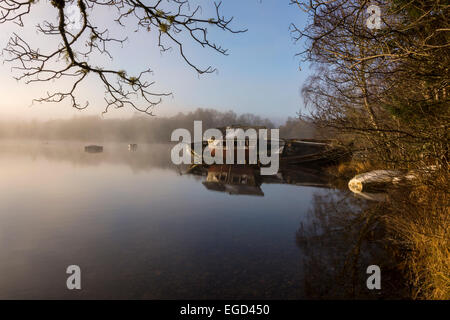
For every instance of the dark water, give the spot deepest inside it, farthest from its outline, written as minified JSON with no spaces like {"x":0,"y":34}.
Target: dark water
{"x":140,"y":228}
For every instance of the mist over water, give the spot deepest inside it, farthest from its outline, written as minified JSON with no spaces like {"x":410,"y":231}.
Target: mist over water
{"x":142,"y":129}
{"x":139,"y":227}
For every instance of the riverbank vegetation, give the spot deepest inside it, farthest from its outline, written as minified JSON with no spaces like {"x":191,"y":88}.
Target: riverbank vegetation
{"x":383,"y":90}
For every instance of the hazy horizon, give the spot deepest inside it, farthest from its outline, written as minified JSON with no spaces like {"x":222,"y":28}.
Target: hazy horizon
{"x":141,"y":127}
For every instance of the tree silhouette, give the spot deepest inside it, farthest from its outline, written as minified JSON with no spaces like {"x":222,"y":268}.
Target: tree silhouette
{"x":387,"y":87}
{"x":175,"y":22}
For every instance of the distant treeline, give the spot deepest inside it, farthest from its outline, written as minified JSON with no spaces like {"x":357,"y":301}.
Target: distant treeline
{"x":141,"y":128}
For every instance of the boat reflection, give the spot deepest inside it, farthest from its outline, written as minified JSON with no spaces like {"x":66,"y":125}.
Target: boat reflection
{"x":247,"y":180}
{"x":234,"y":179}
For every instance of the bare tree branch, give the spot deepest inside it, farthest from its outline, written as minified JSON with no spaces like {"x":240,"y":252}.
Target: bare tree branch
{"x":174,"y":22}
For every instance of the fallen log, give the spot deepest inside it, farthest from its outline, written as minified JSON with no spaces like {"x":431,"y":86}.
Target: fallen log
{"x":376,"y":180}
{"x":379,"y":180}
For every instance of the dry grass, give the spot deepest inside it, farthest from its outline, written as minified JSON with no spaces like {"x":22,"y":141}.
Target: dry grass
{"x":418,"y":221}
{"x":420,"y":224}
{"x":347,"y":170}
{"x":344,"y":171}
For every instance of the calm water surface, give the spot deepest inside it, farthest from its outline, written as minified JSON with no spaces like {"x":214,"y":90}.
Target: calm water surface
{"x":140,"y":228}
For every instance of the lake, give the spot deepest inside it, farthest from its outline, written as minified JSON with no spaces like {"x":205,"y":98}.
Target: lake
{"x":140,"y":227}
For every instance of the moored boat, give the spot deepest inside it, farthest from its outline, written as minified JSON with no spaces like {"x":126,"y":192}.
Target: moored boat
{"x":304,"y":152}
{"x":93,"y":149}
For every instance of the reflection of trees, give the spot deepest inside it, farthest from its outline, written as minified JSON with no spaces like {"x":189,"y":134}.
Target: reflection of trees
{"x":341,"y":237}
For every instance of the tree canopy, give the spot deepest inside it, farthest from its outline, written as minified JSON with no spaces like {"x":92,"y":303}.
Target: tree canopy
{"x":388,"y":86}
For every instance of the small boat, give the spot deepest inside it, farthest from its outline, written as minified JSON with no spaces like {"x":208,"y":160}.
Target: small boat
{"x":132,"y":147}
{"x":312,"y":152}
{"x":303,"y":152}
{"x":93,"y":149}
{"x":240,"y":146}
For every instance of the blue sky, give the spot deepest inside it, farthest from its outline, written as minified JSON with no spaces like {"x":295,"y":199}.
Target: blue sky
{"x":260,"y":75}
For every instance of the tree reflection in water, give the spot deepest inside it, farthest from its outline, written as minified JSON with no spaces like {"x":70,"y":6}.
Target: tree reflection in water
{"x":340,"y":238}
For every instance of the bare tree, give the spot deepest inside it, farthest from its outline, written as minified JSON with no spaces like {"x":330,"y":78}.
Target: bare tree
{"x":386,"y":87}
{"x":175,"y":22}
